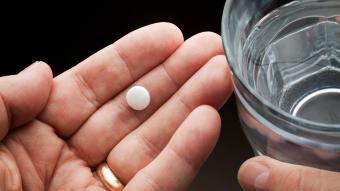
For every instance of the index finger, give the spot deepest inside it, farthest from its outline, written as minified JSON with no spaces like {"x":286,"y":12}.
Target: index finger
{"x":80,"y":91}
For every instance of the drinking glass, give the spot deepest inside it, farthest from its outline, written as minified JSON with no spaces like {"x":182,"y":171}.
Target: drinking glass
{"x":285,"y":60}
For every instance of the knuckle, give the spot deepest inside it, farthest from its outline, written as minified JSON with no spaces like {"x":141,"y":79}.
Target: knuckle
{"x":149,"y":181}
{"x":304,"y":179}
{"x":293,"y":181}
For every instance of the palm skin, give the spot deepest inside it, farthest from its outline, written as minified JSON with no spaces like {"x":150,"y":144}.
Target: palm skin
{"x":56,"y":131}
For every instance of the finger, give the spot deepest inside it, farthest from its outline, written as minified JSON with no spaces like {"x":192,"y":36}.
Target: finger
{"x":80,"y":91}
{"x":179,"y":162}
{"x":264,"y":173}
{"x":210,"y":86}
{"x":115,"y":119}
{"x":23,"y":96}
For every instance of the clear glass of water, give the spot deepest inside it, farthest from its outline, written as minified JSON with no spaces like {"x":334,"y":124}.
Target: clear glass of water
{"x":285,"y":59}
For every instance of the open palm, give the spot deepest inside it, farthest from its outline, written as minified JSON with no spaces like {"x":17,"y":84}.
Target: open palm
{"x":55,"y":132}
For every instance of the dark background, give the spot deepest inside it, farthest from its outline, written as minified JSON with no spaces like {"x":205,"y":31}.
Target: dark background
{"x":62,"y":35}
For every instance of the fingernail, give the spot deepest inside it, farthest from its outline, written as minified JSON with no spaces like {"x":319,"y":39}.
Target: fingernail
{"x":31,"y":66}
{"x":261,"y":181}
{"x":254,"y":176}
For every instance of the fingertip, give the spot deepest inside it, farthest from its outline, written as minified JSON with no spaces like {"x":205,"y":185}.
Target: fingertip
{"x":253,"y":173}
{"x":147,"y":47}
{"x":46,"y":74}
{"x":220,"y":82}
{"x":210,"y":37}
{"x":221,"y":63}
{"x":45,"y":69}
{"x":41,"y":73}
{"x":30,"y":92}
{"x":211,"y":119}
{"x":171,"y":30}
{"x":39,"y":70}
{"x":205,"y":124}
{"x":166,"y":35}
{"x":209,"y":40}
{"x":263,"y":160}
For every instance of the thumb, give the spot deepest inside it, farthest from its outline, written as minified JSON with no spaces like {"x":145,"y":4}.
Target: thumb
{"x":23,"y":96}
{"x":266,"y":174}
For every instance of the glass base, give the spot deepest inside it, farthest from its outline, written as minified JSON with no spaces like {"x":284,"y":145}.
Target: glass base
{"x":320,"y":106}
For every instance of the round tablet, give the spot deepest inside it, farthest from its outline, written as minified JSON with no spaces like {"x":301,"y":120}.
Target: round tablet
{"x":138,"y":98}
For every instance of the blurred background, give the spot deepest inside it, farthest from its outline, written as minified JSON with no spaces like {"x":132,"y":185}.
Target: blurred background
{"x":63,"y":34}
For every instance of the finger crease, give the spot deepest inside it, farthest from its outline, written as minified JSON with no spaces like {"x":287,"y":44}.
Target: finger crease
{"x":150,"y":181}
{"x":172,"y":79}
{"x":124,"y":62}
{"x":188,"y":162}
{"x":86,"y":90}
{"x":186,"y":105}
{"x":152,"y":149}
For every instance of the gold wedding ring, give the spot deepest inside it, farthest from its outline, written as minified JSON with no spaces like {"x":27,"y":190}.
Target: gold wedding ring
{"x":108,"y":178}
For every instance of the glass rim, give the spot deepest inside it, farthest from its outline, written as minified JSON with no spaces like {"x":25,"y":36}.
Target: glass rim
{"x":318,"y":126}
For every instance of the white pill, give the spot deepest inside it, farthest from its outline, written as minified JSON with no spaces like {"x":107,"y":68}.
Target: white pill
{"x":138,"y":98}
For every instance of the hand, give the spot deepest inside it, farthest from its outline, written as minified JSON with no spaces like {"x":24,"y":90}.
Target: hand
{"x":266,"y":174}
{"x":60,"y":129}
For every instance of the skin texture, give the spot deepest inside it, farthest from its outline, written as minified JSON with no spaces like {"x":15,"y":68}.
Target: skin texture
{"x":54,"y":132}
{"x":266,"y":174}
